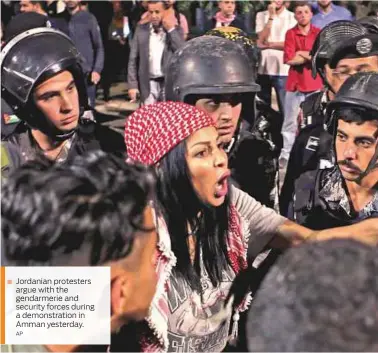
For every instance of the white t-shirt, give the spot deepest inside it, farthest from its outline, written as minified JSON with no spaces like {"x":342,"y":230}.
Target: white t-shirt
{"x":157,"y":45}
{"x":272,"y":59}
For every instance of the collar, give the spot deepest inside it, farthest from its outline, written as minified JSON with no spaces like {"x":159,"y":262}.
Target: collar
{"x":152,"y":30}
{"x":298,"y":32}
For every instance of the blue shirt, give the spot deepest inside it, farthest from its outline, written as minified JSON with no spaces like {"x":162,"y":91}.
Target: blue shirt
{"x":337,"y":13}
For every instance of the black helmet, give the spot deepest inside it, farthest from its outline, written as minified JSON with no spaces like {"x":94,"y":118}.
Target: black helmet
{"x":370,"y":23}
{"x":209,"y":65}
{"x":359,"y":92}
{"x":31,"y":58}
{"x":238,"y":36}
{"x":357,"y":47}
{"x":328,"y":39}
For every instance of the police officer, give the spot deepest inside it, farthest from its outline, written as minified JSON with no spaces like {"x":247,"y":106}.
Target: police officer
{"x":215,"y":74}
{"x":43,"y":82}
{"x":337,"y":42}
{"x":347,"y":192}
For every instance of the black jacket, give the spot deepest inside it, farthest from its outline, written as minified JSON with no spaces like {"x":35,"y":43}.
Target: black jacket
{"x":312,"y":145}
{"x":320,"y":200}
{"x":89,"y":136}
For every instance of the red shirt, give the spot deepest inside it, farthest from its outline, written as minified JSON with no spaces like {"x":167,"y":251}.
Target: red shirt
{"x":300,"y":77}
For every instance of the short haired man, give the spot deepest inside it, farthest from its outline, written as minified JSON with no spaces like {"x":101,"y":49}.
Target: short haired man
{"x":151,"y":49}
{"x":271,"y":27}
{"x":225,"y":17}
{"x":85,"y":32}
{"x":347,"y":192}
{"x":39,"y":7}
{"x":319,"y":297}
{"x":298,"y":43}
{"x":326,"y":12}
{"x":91,"y":212}
{"x":46,"y":90}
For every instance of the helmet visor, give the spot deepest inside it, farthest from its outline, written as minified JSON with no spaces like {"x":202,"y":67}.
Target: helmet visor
{"x":32,"y":54}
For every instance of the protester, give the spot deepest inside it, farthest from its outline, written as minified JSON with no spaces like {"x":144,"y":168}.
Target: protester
{"x":91,"y":212}
{"x":117,"y":47}
{"x":204,"y":231}
{"x":51,"y":100}
{"x":39,"y":7}
{"x":172,"y":12}
{"x":346,"y":193}
{"x":151,"y":49}
{"x":85,"y":33}
{"x":320,"y":297}
{"x":225,"y":17}
{"x":298,"y":43}
{"x":327,"y":12}
{"x":312,"y":146}
{"x":271,"y":27}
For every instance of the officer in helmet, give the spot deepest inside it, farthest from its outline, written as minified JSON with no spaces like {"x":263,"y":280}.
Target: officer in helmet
{"x":215,"y":74}
{"x":347,"y":192}
{"x":312,"y":147}
{"x":43,"y":82}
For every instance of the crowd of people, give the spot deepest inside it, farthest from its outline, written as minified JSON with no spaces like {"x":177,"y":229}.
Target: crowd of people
{"x":228,"y":224}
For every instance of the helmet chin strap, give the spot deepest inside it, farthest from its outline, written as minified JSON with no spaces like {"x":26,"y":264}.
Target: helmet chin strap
{"x":373,"y":164}
{"x":50,"y":130}
{"x":324,"y":79}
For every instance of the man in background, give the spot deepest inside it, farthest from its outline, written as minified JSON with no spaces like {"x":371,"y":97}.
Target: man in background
{"x":85,"y":33}
{"x":326,"y":12}
{"x":271,"y":27}
{"x":40,"y":8}
{"x":300,"y":83}
{"x":151,"y":49}
{"x":225,"y":17}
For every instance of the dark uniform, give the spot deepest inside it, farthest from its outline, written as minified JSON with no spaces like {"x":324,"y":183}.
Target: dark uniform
{"x":45,"y":52}
{"x":313,"y":146}
{"x":321,"y":199}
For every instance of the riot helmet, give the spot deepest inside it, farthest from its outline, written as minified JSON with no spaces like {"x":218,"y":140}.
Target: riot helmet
{"x":359,"y":93}
{"x":362,"y":46}
{"x":238,"y":36}
{"x":31,"y":58}
{"x":370,"y":23}
{"x":209,"y":65}
{"x":326,"y":42}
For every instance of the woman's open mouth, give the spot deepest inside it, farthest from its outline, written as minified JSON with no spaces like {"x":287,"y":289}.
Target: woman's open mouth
{"x":221,"y":187}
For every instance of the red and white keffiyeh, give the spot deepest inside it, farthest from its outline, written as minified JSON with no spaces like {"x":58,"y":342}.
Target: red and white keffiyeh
{"x":153,"y":130}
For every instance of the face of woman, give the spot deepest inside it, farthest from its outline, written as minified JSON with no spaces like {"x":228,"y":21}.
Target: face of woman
{"x":208,"y":166}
